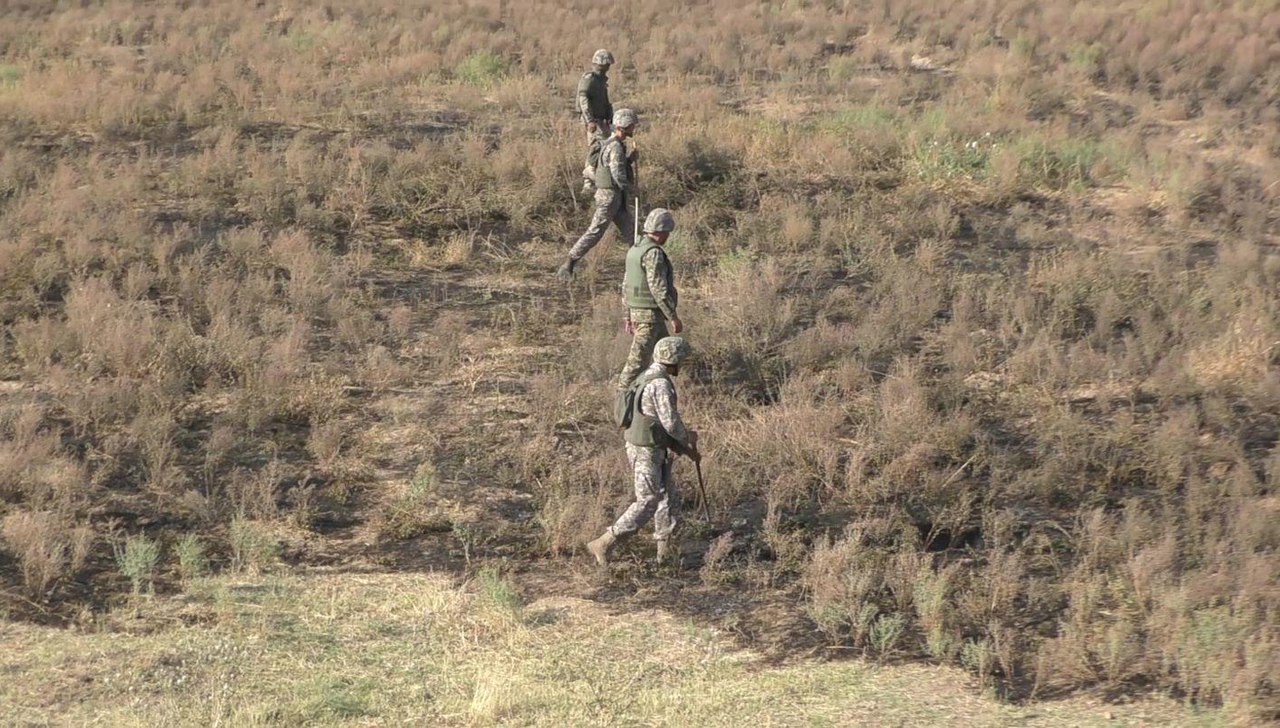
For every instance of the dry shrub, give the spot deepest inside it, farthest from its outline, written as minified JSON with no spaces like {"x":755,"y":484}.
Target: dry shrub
{"x":576,"y":504}
{"x":750,"y":315}
{"x":49,"y":550}
{"x":713,"y":570}
{"x":602,"y":340}
{"x":793,"y":446}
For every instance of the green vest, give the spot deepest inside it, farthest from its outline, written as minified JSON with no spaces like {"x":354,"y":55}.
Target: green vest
{"x":647,"y":431}
{"x":635,"y":284}
{"x":604,"y":178}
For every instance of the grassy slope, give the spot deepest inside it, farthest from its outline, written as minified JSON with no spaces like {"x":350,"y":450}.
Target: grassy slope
{"x":312,"y":294}
{"x":382,"y":649}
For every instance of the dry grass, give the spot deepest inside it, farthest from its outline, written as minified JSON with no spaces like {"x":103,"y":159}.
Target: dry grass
{"x":376,"y":649}
{"x":983,"y":297}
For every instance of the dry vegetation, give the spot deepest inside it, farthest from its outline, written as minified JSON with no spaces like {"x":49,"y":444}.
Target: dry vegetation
{"x":397,"y":649}
{"x":984,"y":298}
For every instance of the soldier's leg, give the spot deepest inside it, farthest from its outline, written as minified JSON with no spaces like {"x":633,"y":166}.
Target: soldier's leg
{"x":606,"y":209}
{"x":646,"y":469}
{"x":647,"y":334}
{"x":667,"y":515}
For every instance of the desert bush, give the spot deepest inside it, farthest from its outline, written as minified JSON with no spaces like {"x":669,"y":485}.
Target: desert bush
{"x":47,"y":548}
{"x":253,"y":548}
{"x":137,"y":560}
{"x":193,"y":562}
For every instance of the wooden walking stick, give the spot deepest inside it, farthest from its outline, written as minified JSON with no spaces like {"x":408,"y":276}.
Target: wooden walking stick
{"x":702,"y":488}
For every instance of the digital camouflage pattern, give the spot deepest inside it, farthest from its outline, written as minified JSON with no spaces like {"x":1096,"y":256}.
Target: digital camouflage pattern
{"x":656,"y":496}
{"x":649,"y":327}
{"x":659,"y":220}
{"x":671,"y":350}
{"x":625,"y":118}
{"x":614,"y":170}
{"x":602,"y":57}
{"x":611,"y":206}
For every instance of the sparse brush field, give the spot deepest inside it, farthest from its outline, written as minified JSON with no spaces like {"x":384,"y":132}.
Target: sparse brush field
{"x":985,"y":299}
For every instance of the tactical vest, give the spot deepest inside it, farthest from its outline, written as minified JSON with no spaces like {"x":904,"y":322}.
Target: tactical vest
{"x":635,"y":284}
{"x":647,"y":431}
{"x":604,"y":178}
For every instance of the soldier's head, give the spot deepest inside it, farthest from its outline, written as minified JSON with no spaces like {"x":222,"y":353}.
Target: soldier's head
{"x":601,"y":61}
{"x":671,"y":351}
{"x":625,"y":122}
{"x":659,"y":224}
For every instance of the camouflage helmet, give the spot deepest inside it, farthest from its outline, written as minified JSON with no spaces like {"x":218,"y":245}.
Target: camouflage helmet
{"x":659,"y":220}
{"x":671,"y":351}
{"x":625,"y":118}
{"x":602,"y":57}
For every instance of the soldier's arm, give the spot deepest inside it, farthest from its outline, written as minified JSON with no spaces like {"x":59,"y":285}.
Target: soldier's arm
{"x":584,"y":103}
{"x":656,"y":267}
{"x":662,"y":396}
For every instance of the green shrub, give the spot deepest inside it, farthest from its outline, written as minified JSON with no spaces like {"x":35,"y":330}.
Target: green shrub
{"x":482,"y":68}
{"x":137,"y":560}
{"x":499,"y":591}
{"x":252,"y":549}
{"x":192,"y":561}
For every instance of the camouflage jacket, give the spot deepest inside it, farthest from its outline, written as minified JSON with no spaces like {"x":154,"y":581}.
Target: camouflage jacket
{"x":593,"y":97}
{"x":657,"y":271}
{"x":658,"y":400}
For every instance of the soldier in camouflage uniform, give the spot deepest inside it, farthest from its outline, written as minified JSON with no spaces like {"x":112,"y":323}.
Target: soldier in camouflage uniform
{"x":650,"y":293}
{"x":656,"y":432}
{"x":615,"y":185}
{"x":596,"y":111}
{"x":593,"y":97}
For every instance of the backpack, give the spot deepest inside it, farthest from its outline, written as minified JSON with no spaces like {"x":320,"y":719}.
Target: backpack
{"x":624,"y":404}
{"x":593,"y":154}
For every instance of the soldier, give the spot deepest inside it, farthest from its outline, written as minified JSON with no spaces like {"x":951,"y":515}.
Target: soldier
{"x":596,"y":112}
{"x":593,"y":96}
{"x":650,"y":292}
{"x":615,"y":184}
{"x":655,"y":431}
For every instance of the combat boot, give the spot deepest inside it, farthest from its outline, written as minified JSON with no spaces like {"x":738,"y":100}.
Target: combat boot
{"x":565,"y":273}
{"x":601,"y":547}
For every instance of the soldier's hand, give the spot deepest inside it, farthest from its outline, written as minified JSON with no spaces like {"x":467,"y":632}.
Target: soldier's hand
{"x":676,"y":326}
{"x":592,"y":126}
{"x":693,"y":439}
{"x":695,"y":455}
{"x":630,"y":326}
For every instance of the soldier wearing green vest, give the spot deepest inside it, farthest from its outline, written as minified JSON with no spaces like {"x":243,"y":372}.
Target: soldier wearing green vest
{"x":596,"y":111}
{"x":650,"y":291}
{"x":615,"y":187}
{"x":655,"y":432}
{"x":593,"y":96}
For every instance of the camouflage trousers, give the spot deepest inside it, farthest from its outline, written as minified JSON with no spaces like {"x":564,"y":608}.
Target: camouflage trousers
{"x":611,"y":207}
{"x":648,"y":329}
{"x":656,"y":496}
